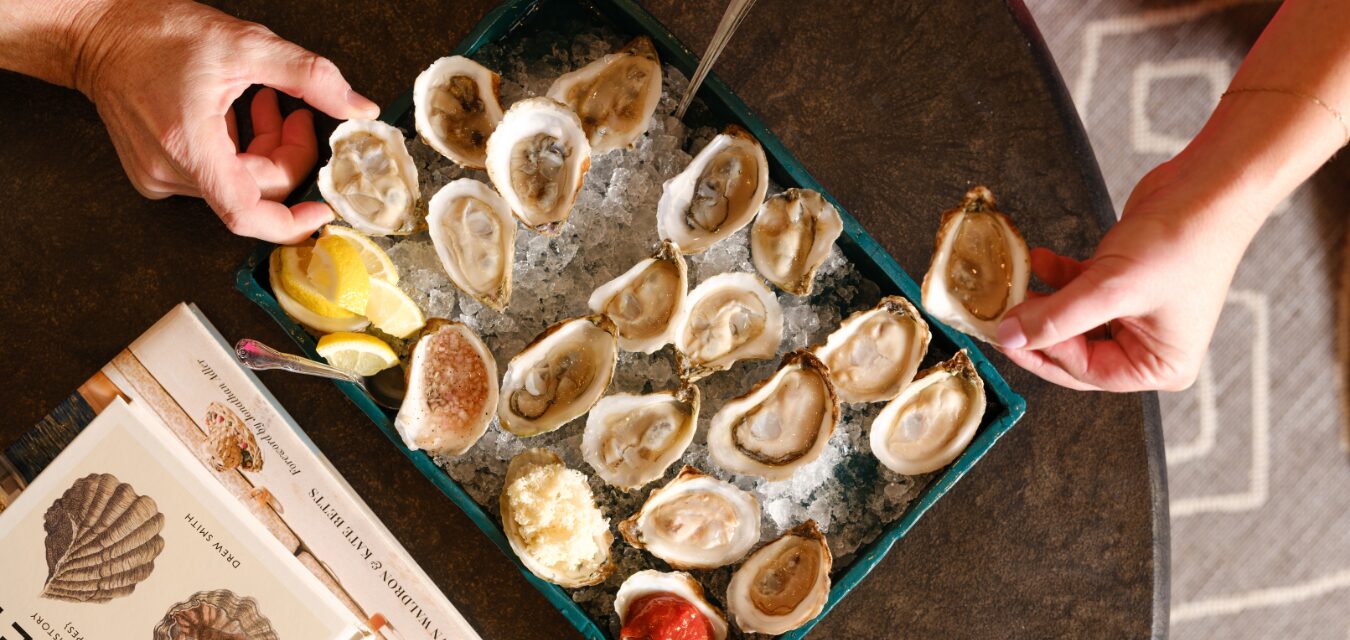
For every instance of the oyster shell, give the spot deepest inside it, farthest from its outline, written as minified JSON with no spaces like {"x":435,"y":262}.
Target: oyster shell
{"x":680,"y":585}
{"x":452,"y":390}
{"x":631,"y":440}
{"x":456,"y":107}
{"x":101,"y":540}
{"x":784,"y":584}
{"x":645,"y":302}
{"x":729,"y":317}
{"x":695,"y":522}
{"x":717,"y":194}
{"x":475,"y":238}
{"x":932,"y":420}
{"x":549,"y":516}
{"x":537,"y":159}
{"x":980,"y":267}
{"x":230,"y":443}
{"x":792,"y":236}
{"x":614,"y":96}
{"x":215,"y":615}
{"x":875,"y":353}
{"x":780,"y":425}
{"x":371,"y":181}
{"x":558,"y":376}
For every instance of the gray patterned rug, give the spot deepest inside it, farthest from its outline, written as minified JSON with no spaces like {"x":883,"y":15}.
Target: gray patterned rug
{"x":1260,"y":485}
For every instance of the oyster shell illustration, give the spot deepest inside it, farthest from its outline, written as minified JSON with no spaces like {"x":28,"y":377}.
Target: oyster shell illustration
{"x":215,"y":615}
{"x":231,"y":443}
{"x":101,"y":538}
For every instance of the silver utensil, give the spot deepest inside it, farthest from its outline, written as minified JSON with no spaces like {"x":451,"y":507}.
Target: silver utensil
{"x":386,"y":388}
{"x":731,"y":20}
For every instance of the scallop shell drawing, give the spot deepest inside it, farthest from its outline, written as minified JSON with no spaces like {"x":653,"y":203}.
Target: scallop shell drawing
{"x":230,"y":442}
{"x":215,"y":615}
{"x":102,"y":539}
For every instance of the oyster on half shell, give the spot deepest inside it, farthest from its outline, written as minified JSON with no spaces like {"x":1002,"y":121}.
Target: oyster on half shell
{"x":875,"y":353}
{"x":980,"y":267}
{"x":371,"y":181}
{"x":614,"y":96}
{"x":717,"y":194}
{"x":631,"y":440}
{"x":452,"y":390}
{"x":933,"y":419}
{"x":729,"y":317}
{"x":646,"y":302}
{"x":641,"y":586}
{"x":695,"y":522}
{"x":784,"y":584}
{"x":537,"y":158}
{"x":475,"y":238}
{"x":792,"y":236}
{"x":456,"y":106}
{"x":550,"y":519}
{"x":559,"y":376}
{"x":780,"y":425}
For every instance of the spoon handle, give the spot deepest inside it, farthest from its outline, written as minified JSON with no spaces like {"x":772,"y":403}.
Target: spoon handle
{"x":258,"y":356}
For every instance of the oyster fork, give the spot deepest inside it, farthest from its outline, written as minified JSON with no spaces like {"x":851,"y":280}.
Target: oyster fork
{"x":731,"y":20}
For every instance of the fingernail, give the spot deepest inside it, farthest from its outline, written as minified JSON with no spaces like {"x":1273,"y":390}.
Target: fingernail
{"x":1010,"y":334}
{"x":368,"y":108}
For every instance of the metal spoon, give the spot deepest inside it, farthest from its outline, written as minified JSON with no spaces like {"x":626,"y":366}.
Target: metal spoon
{"x":386,"y":388}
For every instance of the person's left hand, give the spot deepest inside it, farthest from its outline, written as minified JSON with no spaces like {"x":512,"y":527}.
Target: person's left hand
{"x":164,"y":74}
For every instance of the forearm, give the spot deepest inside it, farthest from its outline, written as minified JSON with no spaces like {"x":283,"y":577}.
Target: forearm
{"x":46,"y":38}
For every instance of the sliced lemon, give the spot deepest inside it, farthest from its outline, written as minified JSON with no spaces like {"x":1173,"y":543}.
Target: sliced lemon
{"x":359,"y":353}
{"x":337,"y":271}
{"x":377,"y":262}
{"x":315,"y":322}
{"x":294,"y":279}
{"x":392,"y":311}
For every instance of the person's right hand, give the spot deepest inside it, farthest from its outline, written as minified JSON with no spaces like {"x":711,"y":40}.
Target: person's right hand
{"x":1139,"y":314}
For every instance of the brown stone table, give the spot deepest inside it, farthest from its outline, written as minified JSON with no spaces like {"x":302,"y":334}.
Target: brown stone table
{"x":896,"y":107}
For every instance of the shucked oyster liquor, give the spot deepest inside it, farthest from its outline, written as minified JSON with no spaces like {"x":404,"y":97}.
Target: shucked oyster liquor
{"x":631,"y":440}
{"x":558,"y":376}
{"x":475,"y":238}
{"x":729,"y":317}
{"x":717,"y":194}
{"x":695,"y":522}
{"x":371,"y":181}
{"x":784,"y":584}
{"x":875,"y":353}
{"x":792,"y":236}
{"x":456,"y":108}
{"x":646,"y":302}
{"x":933,"y":420}
{"x":452,"y":390}
{"x":101,"y":540}
{"x":614,"y":96}
{"x":537,"y":159}
{"x":980,"y":268}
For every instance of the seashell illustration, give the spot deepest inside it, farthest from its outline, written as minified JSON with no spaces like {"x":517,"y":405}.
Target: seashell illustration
{"x":230,"y":442}
{"x":215,"y":615}
{"x":102,"y":540}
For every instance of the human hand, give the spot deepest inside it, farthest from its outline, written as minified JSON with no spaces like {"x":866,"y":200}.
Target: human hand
{"x":1139,"y":314}
{"x":163,"y":75}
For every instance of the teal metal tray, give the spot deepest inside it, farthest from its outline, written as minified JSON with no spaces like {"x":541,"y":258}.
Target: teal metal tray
{"x":516,"y":18}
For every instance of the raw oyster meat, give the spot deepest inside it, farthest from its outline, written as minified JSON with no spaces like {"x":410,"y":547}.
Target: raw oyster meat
{"x":980,"y":268}
{"x":717,"y":194}
{"x":614,"y":96}
{"x":456,"y":107}
{"x":558,"y":376}
{"x":475,"y":238}
{"x":932,"y":420}
{"x":631,"y":440}
{"x":646,"y":302}
{"x":452,"y":390}
{"x":371,"y":181}
{"x":215,"y":615}
{"x":875,"y":353}
{"x":781,"y":424}
{"x":102,"y":539}
{"x":695,"y":522}
{"x":784,"y":584}
{"x":792,"y":236}
{"x":550,"y":518}
{"x":729,"y":317}
{"x":537,"y":159}
{"x":636,"y":591}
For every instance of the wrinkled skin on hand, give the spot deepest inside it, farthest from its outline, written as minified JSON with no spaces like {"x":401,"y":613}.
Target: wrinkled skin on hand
{"x":164,"y":74}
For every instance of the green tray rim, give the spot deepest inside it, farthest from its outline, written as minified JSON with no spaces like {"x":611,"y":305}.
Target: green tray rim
{"x":499,"y":22}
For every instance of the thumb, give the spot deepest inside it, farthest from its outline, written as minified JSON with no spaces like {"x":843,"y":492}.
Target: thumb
{"x":298,"y":72}
{"x":1081,"y":306}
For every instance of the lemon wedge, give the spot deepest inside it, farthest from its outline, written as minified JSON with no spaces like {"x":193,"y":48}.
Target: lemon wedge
{"x":338,"y":272}
{"x":377,"y":262}
{"x":392,"y":311}
{"x":294,"y":279}
{"x":359,"y":353}
{"x":302,"y":314}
